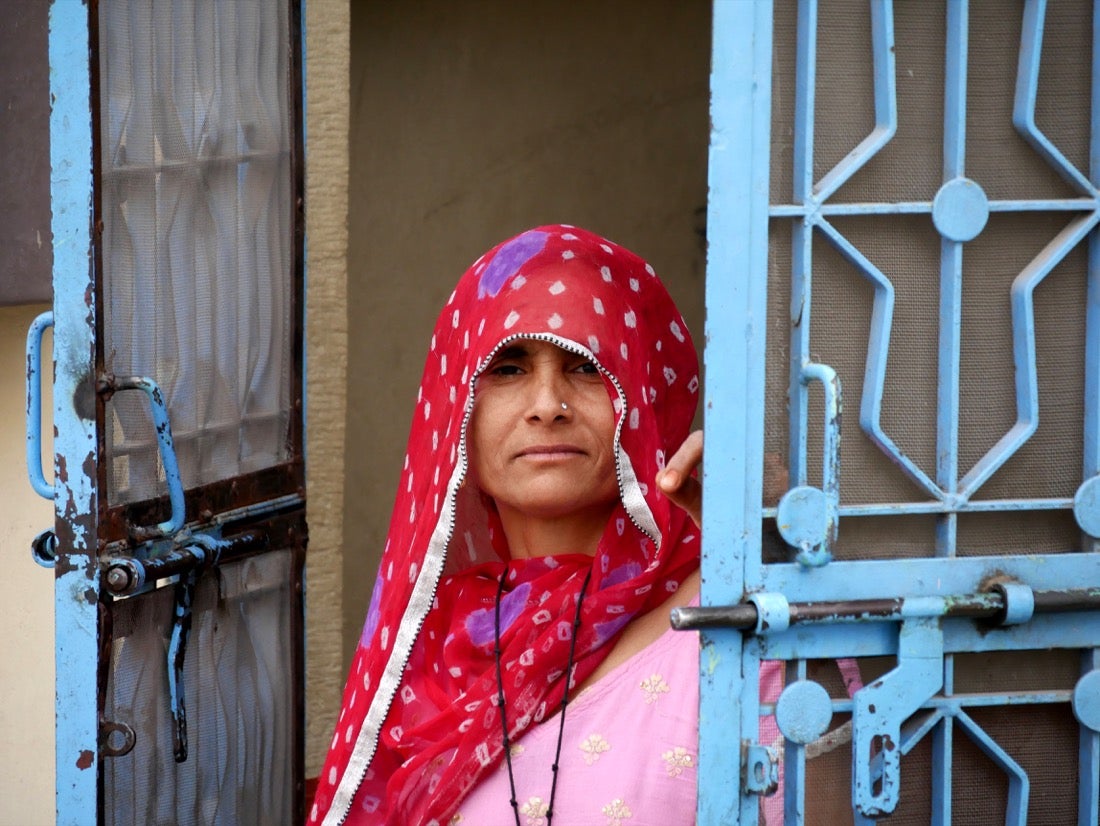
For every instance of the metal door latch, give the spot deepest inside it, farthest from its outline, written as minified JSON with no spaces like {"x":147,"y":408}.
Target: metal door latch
{"x":126,"y":575}
{"x":879,"y":709}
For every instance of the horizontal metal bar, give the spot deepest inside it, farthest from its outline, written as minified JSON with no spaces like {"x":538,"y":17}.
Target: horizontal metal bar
{"x":812,"y":208}
{"x":221,"y":518}
{"x":925,"y":207}
{"x":179,"y":437}
{"x":955,"y":702}
{"x":1054,"y":205}
{"x":125,"y":575}
{"x":290,"y":500}
{"x":935,"y":506}
{"x":744,"y":616}
{"x":876,"y":578}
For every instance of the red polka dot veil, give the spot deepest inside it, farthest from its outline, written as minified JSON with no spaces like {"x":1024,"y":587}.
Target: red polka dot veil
{"x":420,"y":725}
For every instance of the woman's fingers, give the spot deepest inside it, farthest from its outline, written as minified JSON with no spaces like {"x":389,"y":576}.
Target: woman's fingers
{"x":688,"y":456}
{"x":676,"y":480}
{"x":689,"y":497}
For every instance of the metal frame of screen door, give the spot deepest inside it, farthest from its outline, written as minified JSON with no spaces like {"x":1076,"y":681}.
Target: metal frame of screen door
{"x":75,"y":494}
{"x":736,"y":301}
{"x":90,"y":546}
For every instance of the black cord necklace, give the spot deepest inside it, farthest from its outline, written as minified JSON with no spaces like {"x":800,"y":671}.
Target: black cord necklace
{"x":564,"y":699}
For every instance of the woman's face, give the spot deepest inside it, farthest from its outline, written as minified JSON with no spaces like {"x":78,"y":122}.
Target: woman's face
{"x":537,"y":459}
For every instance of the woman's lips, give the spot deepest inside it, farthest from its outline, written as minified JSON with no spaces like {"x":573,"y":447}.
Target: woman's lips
{"x":550,"y":451}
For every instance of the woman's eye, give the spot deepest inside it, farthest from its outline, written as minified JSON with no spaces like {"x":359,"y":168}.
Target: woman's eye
{"x":587,"y":368}
{"x":505,"y":370}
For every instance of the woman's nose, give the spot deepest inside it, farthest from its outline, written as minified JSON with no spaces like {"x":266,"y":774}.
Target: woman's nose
{"x":548,"y":396}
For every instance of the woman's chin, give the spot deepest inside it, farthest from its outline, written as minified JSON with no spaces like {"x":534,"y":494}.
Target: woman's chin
{"x":562,"y":505}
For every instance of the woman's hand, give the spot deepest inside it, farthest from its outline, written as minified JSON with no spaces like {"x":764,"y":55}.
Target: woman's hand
{"x":676,"y":480}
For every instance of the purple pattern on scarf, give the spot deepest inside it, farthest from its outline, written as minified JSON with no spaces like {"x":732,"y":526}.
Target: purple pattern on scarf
{"x":373,"y":613}
{"x":509,"y":259}
{"x":481,"y":625}
{"x":607,"y":630}
{"x":622,"y":574}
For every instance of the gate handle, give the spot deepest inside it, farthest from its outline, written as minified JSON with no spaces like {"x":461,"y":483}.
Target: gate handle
{"x":167,"y":454}
{"x":807,"y":516}
{"x":34,"y":405}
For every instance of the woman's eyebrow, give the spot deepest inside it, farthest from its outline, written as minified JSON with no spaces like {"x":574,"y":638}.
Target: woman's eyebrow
{"x":513,"y":351}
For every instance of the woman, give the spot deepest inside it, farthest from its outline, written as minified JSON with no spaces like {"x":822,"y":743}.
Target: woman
{"x":516,"y":662}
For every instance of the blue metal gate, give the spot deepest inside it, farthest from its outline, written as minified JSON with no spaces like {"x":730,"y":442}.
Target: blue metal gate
{"x":902,"y":224}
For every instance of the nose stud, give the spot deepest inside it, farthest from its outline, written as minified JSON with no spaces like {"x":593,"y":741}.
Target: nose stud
{"x":564,"y":406}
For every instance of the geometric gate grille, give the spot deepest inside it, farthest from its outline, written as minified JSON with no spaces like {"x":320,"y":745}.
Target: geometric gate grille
{"x":860,"y":234}
{"x":932,"y":266}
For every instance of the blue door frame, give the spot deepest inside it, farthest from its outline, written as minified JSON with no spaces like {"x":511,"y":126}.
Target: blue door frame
{"x":920,"y":612}
{"x":75,"y":495}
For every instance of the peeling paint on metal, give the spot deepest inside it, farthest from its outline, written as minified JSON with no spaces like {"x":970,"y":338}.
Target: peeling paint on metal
{"x":713,"y":660}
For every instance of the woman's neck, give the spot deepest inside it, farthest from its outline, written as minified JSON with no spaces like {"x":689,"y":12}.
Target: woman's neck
{"x":577,"y":533}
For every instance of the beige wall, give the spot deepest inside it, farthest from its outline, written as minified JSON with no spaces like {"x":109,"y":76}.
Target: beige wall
{"x":326,"y":351}
{"x":26,"y":594}
{"x":473,"y":121}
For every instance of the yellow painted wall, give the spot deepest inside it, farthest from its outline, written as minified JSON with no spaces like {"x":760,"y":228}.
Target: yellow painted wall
{"x":26,"y":594}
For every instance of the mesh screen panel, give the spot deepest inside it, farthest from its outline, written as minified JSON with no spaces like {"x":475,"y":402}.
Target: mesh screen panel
{"x":196,"y":193}
{"x":238,"y":687}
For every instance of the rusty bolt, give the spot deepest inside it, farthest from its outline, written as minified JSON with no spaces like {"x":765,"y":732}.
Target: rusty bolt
{"x":118,"y":579}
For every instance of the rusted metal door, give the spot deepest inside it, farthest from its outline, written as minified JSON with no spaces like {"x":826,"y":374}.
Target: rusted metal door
{"x":179,"y":540}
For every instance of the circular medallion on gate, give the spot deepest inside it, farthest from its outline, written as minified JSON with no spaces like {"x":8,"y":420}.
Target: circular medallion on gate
{"x":1086,"y":506}
{"x":802,"y":517}
{"x":960,"y":210}
{"x":1086,"y":700}
{"x":803,"y":711}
